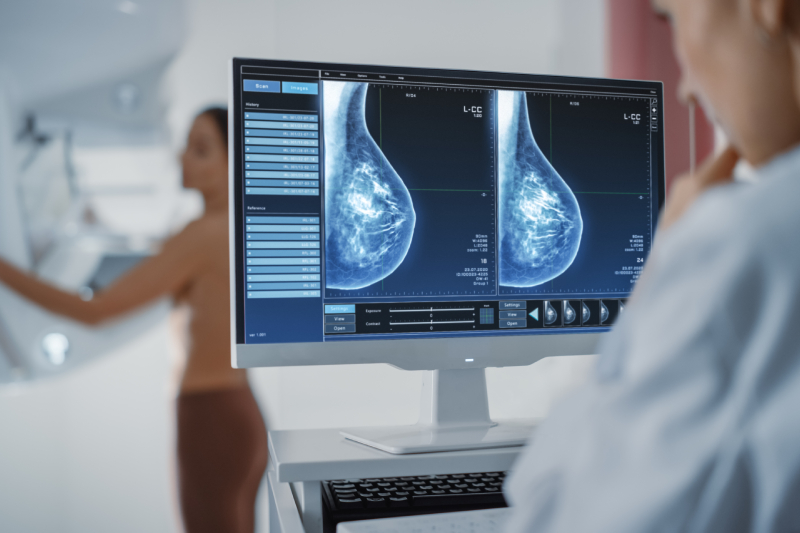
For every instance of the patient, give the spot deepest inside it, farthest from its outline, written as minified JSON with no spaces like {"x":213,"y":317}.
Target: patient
{"x":691,"y":421}
{"x":222,"y":447}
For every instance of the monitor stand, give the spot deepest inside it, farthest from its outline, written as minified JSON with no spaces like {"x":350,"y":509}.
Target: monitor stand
{"x":454,"y":415}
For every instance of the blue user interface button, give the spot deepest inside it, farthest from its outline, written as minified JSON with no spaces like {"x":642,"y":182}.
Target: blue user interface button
{"x":340,"y":309}
{"x":513,"y":305}
{"x":260,"y":86}
{"x":294,"y":87}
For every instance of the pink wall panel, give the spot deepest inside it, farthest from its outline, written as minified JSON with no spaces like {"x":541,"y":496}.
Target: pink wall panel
{"x":640,"y":47}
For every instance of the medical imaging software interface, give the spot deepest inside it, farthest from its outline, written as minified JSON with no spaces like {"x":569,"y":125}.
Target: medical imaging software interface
{"x":379,"y":202}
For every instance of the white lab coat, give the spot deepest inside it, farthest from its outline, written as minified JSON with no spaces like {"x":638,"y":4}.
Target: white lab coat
{"x":691,"y":422}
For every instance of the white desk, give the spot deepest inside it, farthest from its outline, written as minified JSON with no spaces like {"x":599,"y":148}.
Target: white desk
{"x":300,"y":460}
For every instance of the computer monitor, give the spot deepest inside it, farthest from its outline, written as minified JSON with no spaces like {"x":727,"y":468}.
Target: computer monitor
{"x":435,"y":220}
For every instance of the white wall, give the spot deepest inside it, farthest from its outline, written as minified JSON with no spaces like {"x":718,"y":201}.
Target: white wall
{"x":91,"y":451}
{"x":537,"y":36}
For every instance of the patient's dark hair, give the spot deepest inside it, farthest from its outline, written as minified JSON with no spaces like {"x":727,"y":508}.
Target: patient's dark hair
{"x":220,"y":116}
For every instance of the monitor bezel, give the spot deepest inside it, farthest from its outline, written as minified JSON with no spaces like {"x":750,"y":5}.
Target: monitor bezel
{"x":440,"y":353}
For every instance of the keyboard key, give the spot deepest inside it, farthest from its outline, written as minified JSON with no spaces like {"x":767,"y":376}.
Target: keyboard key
{"x":354,"y":503}
{"x":399,"y":501}
{"x":376,"y":502}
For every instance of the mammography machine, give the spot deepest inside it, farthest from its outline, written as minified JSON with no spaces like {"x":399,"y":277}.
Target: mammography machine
{"x":71,"y":74}
{"x":435,"y":220}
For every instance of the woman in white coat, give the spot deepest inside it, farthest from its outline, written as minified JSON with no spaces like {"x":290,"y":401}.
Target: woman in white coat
{"x":692,"y":419}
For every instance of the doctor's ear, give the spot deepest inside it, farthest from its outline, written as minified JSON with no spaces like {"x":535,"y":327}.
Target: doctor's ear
{"x":775,"y":19}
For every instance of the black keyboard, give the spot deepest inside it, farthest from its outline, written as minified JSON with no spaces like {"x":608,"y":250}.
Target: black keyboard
{"x":361,"y":499}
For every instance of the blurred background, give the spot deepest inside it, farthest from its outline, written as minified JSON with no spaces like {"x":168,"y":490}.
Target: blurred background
{"x":96,"y":98}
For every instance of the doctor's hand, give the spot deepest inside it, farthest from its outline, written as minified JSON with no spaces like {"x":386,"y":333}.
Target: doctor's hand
{"x":716,"y":170}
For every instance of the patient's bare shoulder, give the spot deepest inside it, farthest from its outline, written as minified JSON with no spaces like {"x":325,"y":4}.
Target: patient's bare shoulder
{"x":206,"y":232}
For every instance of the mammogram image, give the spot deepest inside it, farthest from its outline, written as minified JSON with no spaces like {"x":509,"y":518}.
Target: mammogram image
{"x":540,"y":223}
{"x":369,"y":215}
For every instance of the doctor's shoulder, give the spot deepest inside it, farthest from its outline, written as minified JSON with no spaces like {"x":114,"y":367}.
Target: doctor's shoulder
{"x":739,"y":222}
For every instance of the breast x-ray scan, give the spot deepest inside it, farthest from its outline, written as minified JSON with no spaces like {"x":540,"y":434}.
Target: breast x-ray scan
{"x":427,"y":195}
{"x":540,"y":219}
{"x":410,"y":192}
{"x":370,"y":212}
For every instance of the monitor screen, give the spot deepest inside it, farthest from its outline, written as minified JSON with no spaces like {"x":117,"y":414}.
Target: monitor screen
{"x":374,"y":202}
